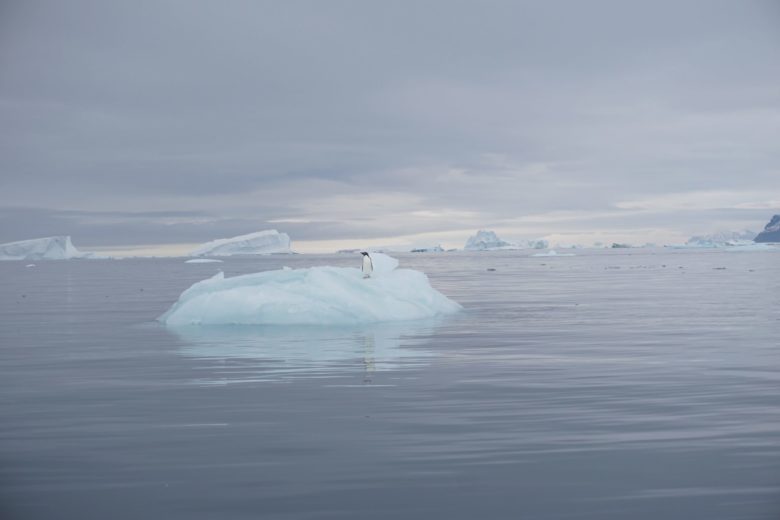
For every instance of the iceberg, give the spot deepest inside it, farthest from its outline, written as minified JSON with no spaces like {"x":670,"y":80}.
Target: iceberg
{"x":487,"y":241}
{"x":261,"y":243}
{"x":48,"y":248}
{"x":427,"y":249}
{"x":538,"y":244}
{"x":771,"y":232}
{"x":312,"y":296}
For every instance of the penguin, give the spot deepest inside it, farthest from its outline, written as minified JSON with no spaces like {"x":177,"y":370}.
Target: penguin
{"x":368,"y":265}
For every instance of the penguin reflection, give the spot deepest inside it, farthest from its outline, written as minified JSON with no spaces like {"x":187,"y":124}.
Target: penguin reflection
{"x":369,"y":361}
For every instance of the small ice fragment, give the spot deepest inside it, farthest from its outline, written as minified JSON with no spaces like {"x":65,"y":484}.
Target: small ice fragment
{"x":203,"y":261}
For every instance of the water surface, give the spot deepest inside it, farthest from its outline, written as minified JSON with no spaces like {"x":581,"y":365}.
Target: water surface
{"x":635,"y":384}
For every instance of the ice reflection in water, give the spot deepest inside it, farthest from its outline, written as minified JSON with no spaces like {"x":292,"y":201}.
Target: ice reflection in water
{"x":242,"y":353}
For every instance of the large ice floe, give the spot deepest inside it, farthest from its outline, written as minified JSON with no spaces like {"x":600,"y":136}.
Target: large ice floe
{"x":312,"y":296}
{"x":265,"y":242}
{"x":48,"y":248}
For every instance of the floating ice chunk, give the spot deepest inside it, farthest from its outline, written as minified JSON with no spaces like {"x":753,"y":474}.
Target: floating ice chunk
{"x":751,"y":247}
{"x":203,"y":261}
{"x":30,"y":265}
{"x":49,"y":248}
{"x":314,"y":296}
{"x":427,"y":249}
{"x":552,"y":252}
{"x":260,"y":243}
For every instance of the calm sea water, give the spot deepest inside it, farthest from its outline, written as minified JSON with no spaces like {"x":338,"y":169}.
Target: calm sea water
{"x":615,"y":384}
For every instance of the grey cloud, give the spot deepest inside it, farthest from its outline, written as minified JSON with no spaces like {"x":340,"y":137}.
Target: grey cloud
{"x":248,"y":112}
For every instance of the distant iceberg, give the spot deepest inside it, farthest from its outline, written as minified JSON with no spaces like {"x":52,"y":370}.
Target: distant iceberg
{"x":538,"y":244}
{"x":49,"y":248}
{"x":487,"y":241}
{"x":427,"y":249}
{"x":261,"y":243}
{"x":313,"y":296}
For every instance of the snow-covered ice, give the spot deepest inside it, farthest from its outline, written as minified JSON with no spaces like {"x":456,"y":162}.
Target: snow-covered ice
{"x":49,"y":248}
{"x":382,"y":264}
{"x":203,"y":261}
{"x":312,"y":296}
{"x":261,"y":243}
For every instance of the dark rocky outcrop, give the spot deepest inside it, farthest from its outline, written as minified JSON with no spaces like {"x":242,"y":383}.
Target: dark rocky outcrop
{"x":771,"y":232}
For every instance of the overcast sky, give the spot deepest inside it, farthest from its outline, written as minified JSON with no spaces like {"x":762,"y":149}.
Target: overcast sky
{"x":151,"y":123}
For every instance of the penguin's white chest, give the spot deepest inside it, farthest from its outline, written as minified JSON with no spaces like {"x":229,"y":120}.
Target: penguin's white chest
{"x":368,"y":267}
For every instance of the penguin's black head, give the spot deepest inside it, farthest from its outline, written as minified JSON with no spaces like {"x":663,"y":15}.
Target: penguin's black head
{"x":364,"y":253}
